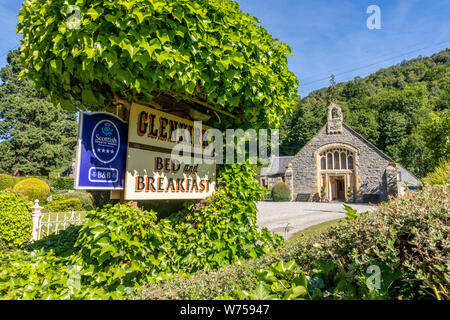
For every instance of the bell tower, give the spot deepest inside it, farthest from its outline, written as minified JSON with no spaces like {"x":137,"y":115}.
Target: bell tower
{"x":335,"y":119}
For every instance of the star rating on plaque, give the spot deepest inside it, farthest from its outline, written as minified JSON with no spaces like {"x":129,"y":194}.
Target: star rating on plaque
{"x":103,"y":150}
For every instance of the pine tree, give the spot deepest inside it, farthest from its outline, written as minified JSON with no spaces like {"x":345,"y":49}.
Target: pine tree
{"x":35,"y":136}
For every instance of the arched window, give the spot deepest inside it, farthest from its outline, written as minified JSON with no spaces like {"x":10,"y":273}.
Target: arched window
{"x":336,"y":160}
{"x":329,"y":161}
{"x":350,"y":162}
{"x":343,"y":160}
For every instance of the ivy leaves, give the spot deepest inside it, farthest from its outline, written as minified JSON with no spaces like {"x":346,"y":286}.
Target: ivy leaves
{"x":208,"y":50}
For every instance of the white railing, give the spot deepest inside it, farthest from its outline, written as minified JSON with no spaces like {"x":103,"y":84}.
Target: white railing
{"x":54,"y":222}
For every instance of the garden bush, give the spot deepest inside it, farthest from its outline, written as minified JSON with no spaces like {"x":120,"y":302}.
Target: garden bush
{"x":407,"y":238}
{"x":85,"y":198}
{"x":7,"y":181}
{"x":120,"y":247}
{"x":267,"y":194}
{"x":62,"y":183}
{"x":66,"y":205}
{"x":440,"y":175}
{"x":33,"y":189}
{"x":15,"y":219}
{"x":281,"y":192}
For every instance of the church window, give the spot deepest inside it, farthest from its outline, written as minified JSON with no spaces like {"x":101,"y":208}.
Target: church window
{"x":350,"y":163}
{"x":336,"y":160}
{"x":329,"y":161}
{"x":343,"y":160}
{"x":323,"y":163}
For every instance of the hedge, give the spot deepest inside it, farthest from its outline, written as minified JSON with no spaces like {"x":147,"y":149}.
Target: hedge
{"x":15,"y":219}
{"x":407,"y":237}
{"x":33,"y":189}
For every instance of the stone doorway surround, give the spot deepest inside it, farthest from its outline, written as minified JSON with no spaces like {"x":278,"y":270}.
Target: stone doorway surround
{"x":326,"y":177}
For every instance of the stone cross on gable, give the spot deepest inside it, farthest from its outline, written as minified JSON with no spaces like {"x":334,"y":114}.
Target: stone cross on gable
{"x":335,"y":119}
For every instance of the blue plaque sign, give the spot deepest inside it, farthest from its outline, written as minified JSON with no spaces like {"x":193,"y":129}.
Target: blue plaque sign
{"x":101,"y":152}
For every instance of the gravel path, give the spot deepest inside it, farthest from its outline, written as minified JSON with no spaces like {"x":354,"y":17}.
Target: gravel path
{"x":301,"y":215}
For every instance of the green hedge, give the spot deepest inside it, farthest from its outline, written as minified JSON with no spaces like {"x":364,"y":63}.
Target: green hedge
{"x":281,"y":192}
{"x":7,"y":181}
{"x":62,"y":183}
{"x":15,"y":219}
{"x":66,"y":205}
{"x":408,"y":238}
{"x":33,"y":188}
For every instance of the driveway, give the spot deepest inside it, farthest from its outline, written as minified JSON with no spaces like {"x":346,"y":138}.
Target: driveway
{"x":301,"y":215}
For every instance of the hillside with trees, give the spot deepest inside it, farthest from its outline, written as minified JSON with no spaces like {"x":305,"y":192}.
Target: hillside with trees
{"x":403,"y":110}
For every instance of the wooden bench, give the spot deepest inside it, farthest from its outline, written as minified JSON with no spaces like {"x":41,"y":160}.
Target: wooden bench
{"x":303,"y":197}
{"x":374,"y":198}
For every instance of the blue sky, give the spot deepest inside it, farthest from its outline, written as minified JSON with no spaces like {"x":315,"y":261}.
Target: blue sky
{"x":326,"y":37}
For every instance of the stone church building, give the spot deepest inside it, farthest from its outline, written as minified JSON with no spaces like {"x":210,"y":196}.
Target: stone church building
{"x":338,"y":164}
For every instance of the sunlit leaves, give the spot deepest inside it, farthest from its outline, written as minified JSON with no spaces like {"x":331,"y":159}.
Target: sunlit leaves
{"x":173,"y":44}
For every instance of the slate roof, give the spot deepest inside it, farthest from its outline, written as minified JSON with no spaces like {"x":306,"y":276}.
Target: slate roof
{"x":276,"y":166}
{"x":406,"y":176}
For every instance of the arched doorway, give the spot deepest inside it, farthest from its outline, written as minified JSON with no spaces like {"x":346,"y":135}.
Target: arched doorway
{"x":336,"y":170}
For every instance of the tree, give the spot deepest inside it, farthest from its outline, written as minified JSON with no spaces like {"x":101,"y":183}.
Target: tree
{"x":35,"y":136}
{"x":205,"y":52}
{"x":436,"y":133}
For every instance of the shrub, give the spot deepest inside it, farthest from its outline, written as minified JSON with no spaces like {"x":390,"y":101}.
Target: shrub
{"x":62,"y":183}
{"x":33,"y":189}
{"x":85,"y":198}
{"x":281,"y":192}
{"x":15,"y":219}
{"x":440,"y":175}
{"x":66,"y":204}
{"x":7,"y":181}
{"x":267,"y":194}
{"x":407,"y":238}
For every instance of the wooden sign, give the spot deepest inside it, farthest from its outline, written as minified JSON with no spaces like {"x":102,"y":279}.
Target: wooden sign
{"x":152,"y":173}
{"x":153,"y":127}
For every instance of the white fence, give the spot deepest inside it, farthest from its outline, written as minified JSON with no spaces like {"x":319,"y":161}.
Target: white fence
{"x":53,"y":222}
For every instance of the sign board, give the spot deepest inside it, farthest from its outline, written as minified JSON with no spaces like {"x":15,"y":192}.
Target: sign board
{"x":155,"y":128}
{"x":101,"y":151}
{"x":151,"y":172}
{"x":153,"y":175}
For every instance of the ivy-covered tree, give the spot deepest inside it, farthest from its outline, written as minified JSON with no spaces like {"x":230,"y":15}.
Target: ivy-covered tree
{"x":35,"y":136}
{"x":203,"y":51}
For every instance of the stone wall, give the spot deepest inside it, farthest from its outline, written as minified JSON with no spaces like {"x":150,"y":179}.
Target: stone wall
{"x":370,"y":167}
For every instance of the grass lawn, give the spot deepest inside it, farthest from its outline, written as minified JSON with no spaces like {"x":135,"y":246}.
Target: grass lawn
{"x":314,"y":230}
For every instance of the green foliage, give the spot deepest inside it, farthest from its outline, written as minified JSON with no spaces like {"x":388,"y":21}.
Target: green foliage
{"x":62,"y":183}
{"x":350,"y":213}
{"x":85,"y":198}
{"x":120,"y":247}
{"x":440,"y":175}
{"x":7,"y":181}
{"x":33,"y":189}
{"x":42,"y":271}
{"x":267,"y":194}
{"x":35,"y":136}
{"x":65,"y":205}
{"x":403,"y":110}
{"x":281,"y":192}
{"x":436,"y":134}
{"x":15,"y":219}
{"x":207,"y":50}
{"x":406,"y":239}
{"x":277,"y":282}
